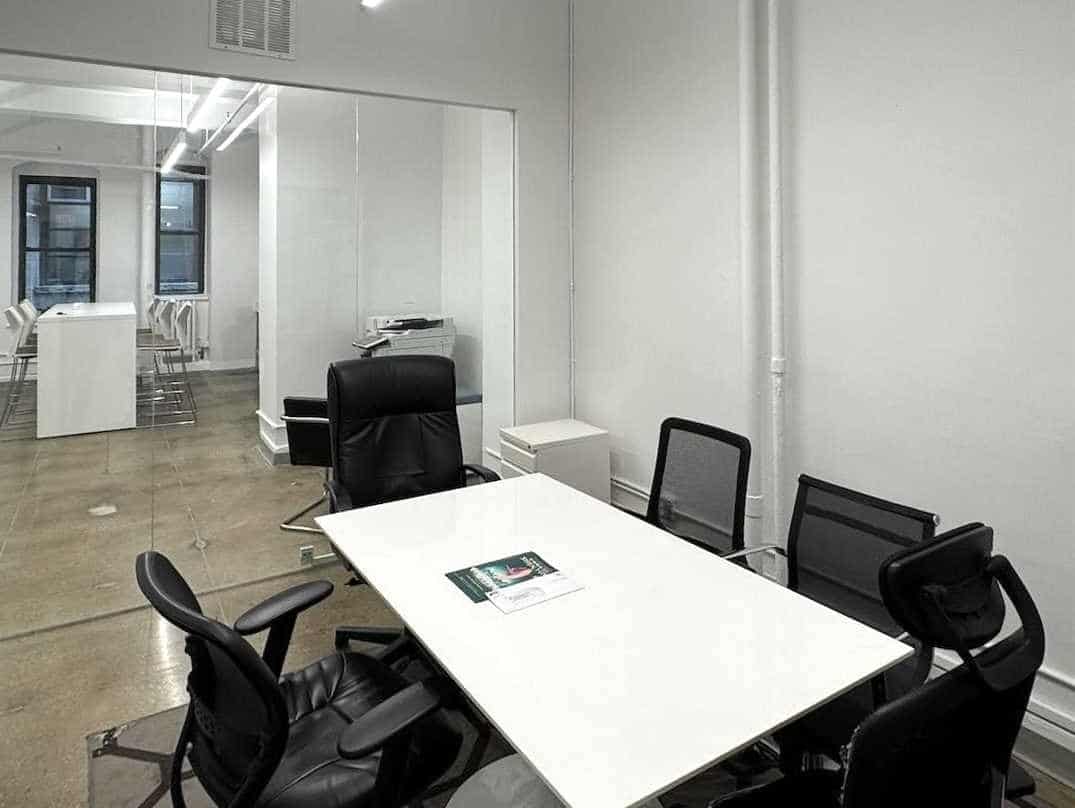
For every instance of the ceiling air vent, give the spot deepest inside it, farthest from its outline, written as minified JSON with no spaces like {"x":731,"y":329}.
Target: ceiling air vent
{"x":264,"y":27}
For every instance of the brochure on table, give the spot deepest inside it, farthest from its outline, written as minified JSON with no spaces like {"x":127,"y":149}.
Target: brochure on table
{"x":514,"y":582}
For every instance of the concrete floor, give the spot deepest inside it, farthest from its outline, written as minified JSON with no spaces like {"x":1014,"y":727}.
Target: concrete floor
{"x":61,"y":685}
{"x":79,"y":651}
{"x":201,"y":494}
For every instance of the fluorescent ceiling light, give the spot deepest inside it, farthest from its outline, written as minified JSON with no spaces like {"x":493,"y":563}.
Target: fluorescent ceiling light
{"x":249,"y":119}
{"x":220,"y":129}
{"x":201,"y":109}
{"x":174,"y":155}
{"x":371,"y":3}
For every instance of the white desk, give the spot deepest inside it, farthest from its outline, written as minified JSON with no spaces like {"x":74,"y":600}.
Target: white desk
{"x":86,"y":368}
{"x":668,"y":661}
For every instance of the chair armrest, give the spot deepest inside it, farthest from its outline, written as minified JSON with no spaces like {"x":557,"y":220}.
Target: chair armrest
{"x":487,"y":474}
{"x":338,"y":498}
{"x":759,"y":548}
{"x":286,"y":604}
{"x":388,"y":719}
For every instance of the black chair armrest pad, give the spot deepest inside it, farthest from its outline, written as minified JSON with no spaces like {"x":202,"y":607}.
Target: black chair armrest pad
{"x":487,"y":474}
{"x":283,"y":604}
{"x":394,"y":715}
{"x":338,"y":498}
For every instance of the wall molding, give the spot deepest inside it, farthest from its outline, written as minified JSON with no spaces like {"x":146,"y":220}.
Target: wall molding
{"x":233,"y":364}
{"x":273,"y":440}
{"x":626,"y":494}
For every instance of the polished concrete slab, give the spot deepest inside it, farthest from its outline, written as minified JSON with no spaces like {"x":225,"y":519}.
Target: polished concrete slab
{"x":61,"y":685}
{"x":75,"y":511}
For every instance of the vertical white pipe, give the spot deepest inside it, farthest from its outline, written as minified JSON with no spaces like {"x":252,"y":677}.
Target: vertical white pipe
{"x":749,"y":265}
{"x":777,"y":359}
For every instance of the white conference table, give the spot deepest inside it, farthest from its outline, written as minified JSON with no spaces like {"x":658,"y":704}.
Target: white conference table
{"x":669,"y":660}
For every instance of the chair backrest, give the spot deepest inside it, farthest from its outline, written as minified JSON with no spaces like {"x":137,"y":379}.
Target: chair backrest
{"x":165,"y":316}
{"x":837,"y":542}
{"x":184,"y":324}
{"x":950,"y":741}
{"x":393,"y":428}
{"x":14,"y":320}
{"x":308,"y":440}
{"x":699,"y":485}
{"x":237,"y":723}
{"x":151,"y":314}
{"x":30,"y":312}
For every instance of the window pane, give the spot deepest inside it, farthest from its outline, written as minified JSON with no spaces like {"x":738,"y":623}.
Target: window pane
{"x":178,"y":209}
{"x":57,"y":277}
{"x":179,"y":264}
{"x":35,"y":210}
{"x":55,"y":224}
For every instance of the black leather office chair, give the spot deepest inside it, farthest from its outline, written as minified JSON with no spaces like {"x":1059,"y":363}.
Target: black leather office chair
{"x":949,"y":742}
{"x":346,"y":731}
{"x":837,"y":542}
{"x":306,"y":420}
{"x":699,"y":488}
{"x":393,"y":430}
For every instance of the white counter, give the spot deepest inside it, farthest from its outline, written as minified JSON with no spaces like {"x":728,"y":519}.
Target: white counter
{"x":86,"y":368}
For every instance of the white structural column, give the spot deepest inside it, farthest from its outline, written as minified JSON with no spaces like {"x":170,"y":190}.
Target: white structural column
{"x":308,"y":247}
{"x":777,"y":359}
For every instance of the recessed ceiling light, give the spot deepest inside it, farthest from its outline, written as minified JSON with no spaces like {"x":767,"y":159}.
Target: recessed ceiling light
{"x":371,"y":3}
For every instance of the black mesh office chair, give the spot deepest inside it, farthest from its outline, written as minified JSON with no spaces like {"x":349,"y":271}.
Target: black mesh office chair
{"x":346,"y":731}
{"x":394,"y":431}
{"x":306,"y":420}
{"x":949,"y":742}
{"x":699,"y":488}
{"x":837,"y":542}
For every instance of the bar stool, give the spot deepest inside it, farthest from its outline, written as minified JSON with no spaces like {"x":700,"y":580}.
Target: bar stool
{"x":21,"y":352}
{"x":169,"y":392}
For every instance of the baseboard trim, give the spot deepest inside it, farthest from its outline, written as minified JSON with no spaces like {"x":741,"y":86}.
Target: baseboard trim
{"x":235,"y":364}
{"x":629,"y":495}
{"x":273,"y":440}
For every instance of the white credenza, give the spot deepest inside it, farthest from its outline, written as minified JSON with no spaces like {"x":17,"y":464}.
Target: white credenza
{"x":86,"y":368}
{"x":573,"y":452}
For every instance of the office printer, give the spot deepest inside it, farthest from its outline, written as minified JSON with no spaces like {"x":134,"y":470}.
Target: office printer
{"x":389,"y":335}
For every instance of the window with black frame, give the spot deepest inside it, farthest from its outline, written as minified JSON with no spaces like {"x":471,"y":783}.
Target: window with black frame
{"x":181,"y":232}
{"x":57,"y":240}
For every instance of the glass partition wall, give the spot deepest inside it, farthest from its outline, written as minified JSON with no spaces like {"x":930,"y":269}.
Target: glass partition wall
{"x":259,"y":232}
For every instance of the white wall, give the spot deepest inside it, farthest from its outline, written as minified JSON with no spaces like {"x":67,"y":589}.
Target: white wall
{"x":400,"y":147}
{"x":928,"y":206}
{"x":511,"y":54}
{"x":232,"y":216}
{"x":118,"y":196}
{"x":233,"y":255}
{"x":461,"y":234}
{"x":656,"y":212}
{"x":500,"y":362}
{"x":931,"y":190}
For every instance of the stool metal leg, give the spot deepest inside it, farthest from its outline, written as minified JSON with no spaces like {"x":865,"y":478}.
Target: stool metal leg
{"x":10,"y":398}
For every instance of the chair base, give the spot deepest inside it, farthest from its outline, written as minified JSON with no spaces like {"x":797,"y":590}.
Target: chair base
{"x":289,"y":523}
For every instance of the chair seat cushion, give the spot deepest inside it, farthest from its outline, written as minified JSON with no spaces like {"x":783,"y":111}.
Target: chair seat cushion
{"x":322,"y":699}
